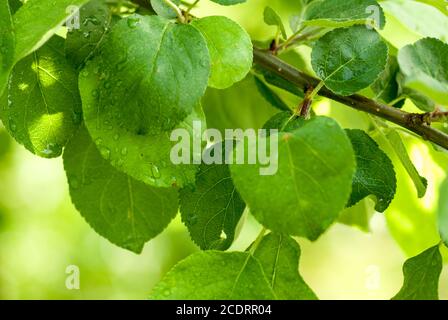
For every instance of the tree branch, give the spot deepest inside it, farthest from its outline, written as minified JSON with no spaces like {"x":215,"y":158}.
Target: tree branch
{"x":407,"y":120}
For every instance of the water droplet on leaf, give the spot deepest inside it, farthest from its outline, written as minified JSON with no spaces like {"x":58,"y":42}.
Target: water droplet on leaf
{"x":105,"y":153}
{"x":12,"y":125}
{"x":74,"y":183}
{"x":133,"y":22}
{"x":52,"y":149}
{"x":155,"y":171}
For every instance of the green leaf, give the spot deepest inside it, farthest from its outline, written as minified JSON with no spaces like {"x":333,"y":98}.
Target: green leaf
{"x":279,"y":256}
{"x":443,"y":212}
{"x":37,"y":20}
{"x":358,"y":215}
{"x":422,"y":19}
{"x":375,"y":174}
{"x":95,"y":20}
{"x":14,"y":5}
{"x":212,"y":275}
{"x":316,"y":164}
{"x":421,"y":276}
{"x":125,"y":211}
{"x":344,"y":13}
{"x":163,"y":9}
{"x":5,"y":145}
{"x":6,"y":44}
{"x":349,"y":59}
{"x":439,"y":4}
{"x":295,"y":22}
{"x":283,"y":121}
{"x":418,"y":99}
{"x":147,"y":158}
{"x":270,"y":95}
{"x":424,"y":65}
{"x":230,"y":50}
{"x":212,"y":208}
{"x":386,"y":87}
{"x":44,"y":107}
{"x":271,"y":18}
{"x":412,"y":224}
{"x":228,"y":2}
{"x":141,"y":87}
{"x":421,"y":184}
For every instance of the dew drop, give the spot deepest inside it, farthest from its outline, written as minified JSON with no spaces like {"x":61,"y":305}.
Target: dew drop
{"x":330,"y":124}
{"x":84,"y":73}
{"x":192,"y":220}
{"x":104,"y":75}
{"x":74,"y":183}
{"x":155,"y":171}
{"x":12,"y":125}
{"x":92,"y":19}
{"x":190,"y":187}
{"x":133,"y":22}
{"x":166,"y":292}
{"x":107,"y":85}
{"x":105,"y":153}
{"x":77,"y":117}
{"x":120,"y":163}
{"x":52,"y":149}
{"x":347,"y":74}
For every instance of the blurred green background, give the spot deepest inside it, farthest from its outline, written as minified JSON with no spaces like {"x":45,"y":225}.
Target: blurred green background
{"x":41,"y":233}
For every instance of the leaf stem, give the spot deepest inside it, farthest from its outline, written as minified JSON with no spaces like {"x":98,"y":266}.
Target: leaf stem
{"x":192,"y":6}
{"x":394,"y":140}
{"x":317,"y":89}
{"x":179,"y":13}
{"x":305,"y":106}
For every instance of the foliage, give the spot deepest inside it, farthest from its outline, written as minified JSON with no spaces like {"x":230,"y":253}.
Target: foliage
{"x":109,"y":94}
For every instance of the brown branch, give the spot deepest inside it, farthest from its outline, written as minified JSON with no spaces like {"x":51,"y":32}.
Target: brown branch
{"x":410,"y":121}
{"x":305,"y":105}
{"x":430,"y":117}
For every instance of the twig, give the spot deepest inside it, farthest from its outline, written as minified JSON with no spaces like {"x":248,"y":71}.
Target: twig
{"x":429,"y":117}
{"x":407,"y":120}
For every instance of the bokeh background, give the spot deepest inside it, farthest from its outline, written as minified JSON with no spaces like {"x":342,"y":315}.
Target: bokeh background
{"x":41,"y":233}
